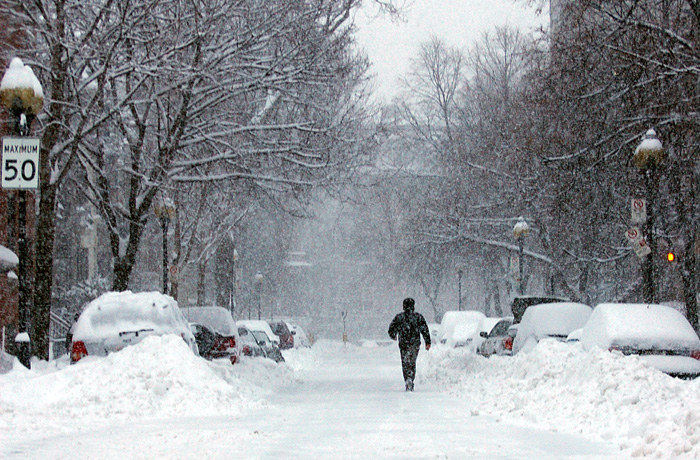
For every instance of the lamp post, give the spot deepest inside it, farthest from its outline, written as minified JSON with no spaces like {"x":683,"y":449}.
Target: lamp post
{"x":520,"y":231}
{"x":257,"y":280}
{"x":647,"y":158}
{"x":232,"y":296}
{"x":460,"y":272}
{"x":21,"y":94}
{"x":165,"y":211}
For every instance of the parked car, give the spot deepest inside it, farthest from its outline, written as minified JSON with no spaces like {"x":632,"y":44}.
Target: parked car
{"x":458,"y":328}
{"x":660,"y":335}
{"x":266,"y":338}
{"x":216,"y":332}
{"x":249,"y":344}
{"x":300,"y":337}
{"x":522,"y":303}
{"x":116,"y":320}
{"x":499,"y":340}
{"x":281,"y":330}
{"x":551,"y":320}
{"x":484,"y":328}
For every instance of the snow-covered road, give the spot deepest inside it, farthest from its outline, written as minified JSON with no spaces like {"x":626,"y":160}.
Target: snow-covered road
{"x":329,"y":402}
{"x":353,"y":406}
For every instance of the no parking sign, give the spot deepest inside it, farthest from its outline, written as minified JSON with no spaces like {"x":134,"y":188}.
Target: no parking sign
{"x":639,"y":210}
{"x":639,"y":243}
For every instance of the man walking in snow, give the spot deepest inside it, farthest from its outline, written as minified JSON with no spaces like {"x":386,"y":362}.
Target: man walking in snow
{"x":408,"y":327}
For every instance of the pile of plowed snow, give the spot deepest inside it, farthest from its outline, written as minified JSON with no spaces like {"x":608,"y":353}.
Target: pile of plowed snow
{"x":563,"y":387}
{"x":159,"y":377}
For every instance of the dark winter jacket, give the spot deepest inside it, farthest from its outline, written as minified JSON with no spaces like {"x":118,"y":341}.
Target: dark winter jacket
{"x":408,"y":327}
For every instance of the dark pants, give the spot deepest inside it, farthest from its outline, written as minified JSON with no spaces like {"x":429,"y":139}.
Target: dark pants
{"x":408,"y":362}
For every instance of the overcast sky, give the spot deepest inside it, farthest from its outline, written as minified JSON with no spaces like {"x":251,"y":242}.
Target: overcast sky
{"x":391,"y":45}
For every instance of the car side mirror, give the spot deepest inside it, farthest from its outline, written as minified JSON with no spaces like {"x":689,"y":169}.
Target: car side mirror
{"x":484,"y":334}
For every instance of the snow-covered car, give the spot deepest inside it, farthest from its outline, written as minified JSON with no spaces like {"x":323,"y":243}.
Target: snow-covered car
{"x":660,"y":335}
{"x":215,"y":331}
{"x":549,"y":320}
{"x":281,"y":330}
{"x":458,"y":328}
{"x":266,"y":338}
{"x":249,"y":344}
{"x":486,"y":325}
{"x":116,"y":320}
{"x":499,"y":340}
{"x":219,"y":338}
{"x":300,"y":337}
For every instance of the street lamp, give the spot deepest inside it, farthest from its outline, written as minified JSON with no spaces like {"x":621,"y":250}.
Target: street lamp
{"x":232,"y":296}
{"x":165,"y":211}
{"x":21,"y":94}
{"x":460,"y":272}
{"x":520,"y":231}
{"x":648,"y":157}
{"x":257,"y":280}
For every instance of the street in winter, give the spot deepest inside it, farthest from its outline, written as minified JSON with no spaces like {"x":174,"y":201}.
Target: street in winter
{"x":157,"y":400}
{"x":350,"y":229}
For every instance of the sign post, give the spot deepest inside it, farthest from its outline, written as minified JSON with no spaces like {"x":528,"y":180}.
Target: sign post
{"x":20,"y":163}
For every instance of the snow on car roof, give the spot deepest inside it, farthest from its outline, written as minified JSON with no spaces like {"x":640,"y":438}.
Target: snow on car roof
{"x":557,"y":318}
{"x":641,"y":325}
{"x":115,"y":312}
{"x":451,"y":318}
{"x":463,"y":331}
{"x":217,"y":318}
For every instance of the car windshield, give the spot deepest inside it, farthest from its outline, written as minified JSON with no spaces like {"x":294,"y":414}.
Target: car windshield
{"x":261,"y":337}
{"x":501,"y":328}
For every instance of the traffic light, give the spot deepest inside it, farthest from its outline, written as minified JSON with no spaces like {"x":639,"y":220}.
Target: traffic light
{"x":670,"y":256}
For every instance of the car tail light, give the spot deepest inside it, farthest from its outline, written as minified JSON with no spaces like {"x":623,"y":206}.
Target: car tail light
{"x":613,"y":348}
{"x":695,"y":354}
{"x":508,"y":343}
{"x":78,"y":351}
{"x":225,"y":343}
{"x":246,"y":350}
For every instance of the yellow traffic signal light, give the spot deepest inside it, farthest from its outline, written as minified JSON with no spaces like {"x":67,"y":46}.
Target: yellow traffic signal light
{"x":670,"y":256}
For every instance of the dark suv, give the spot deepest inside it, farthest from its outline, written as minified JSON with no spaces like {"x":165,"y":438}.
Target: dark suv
{"x":521,"y":303}
{"x":281,"y":330}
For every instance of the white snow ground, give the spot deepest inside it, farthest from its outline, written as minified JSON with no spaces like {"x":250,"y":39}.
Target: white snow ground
{"x":156,"y":400}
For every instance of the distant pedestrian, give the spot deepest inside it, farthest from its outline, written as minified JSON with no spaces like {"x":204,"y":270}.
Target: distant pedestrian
{"x":408,"y":327}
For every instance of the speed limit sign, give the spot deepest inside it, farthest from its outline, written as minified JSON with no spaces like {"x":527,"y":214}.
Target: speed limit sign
{"x":20,"y":162}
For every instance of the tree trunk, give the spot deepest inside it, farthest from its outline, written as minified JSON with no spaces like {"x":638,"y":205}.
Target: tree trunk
{"x":124,"y":265}
{"x":201,"y":285}
{"x":45,"y":235}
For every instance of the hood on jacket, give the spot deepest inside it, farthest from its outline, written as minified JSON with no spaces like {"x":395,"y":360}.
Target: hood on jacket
{"x":408,"y":304}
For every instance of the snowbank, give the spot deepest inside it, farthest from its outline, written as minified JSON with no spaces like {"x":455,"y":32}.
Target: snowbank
{"x":596,"y":393}
{"x":157,"y":378}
